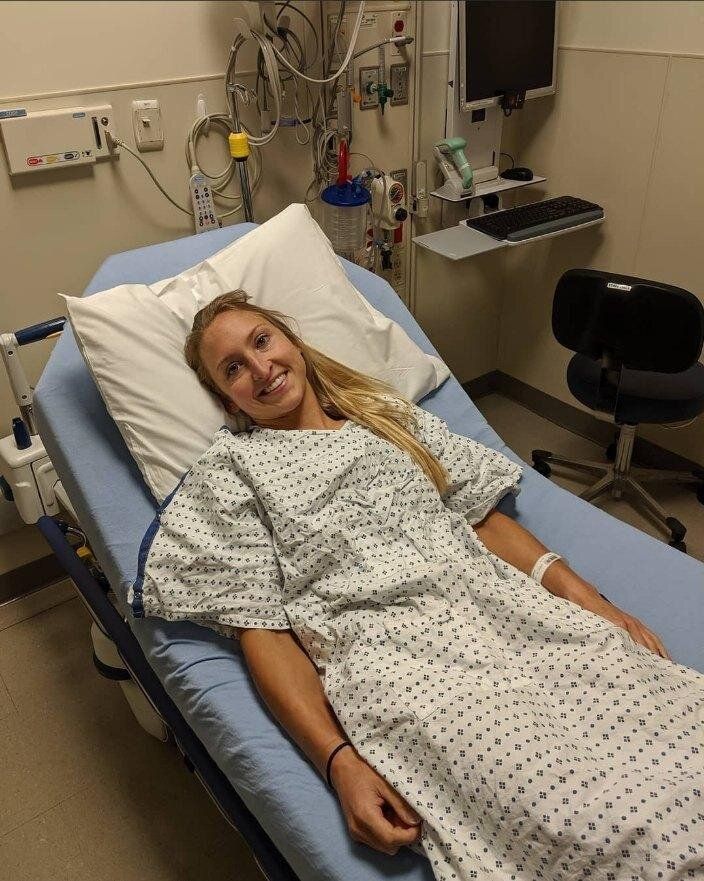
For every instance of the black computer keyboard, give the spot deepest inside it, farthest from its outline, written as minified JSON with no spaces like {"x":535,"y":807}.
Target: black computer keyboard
{"x":537,"y":219}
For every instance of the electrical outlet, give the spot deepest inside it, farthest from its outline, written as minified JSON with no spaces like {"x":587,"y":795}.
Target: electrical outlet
{"x":398,"y":76}
{"x":368,"y":76}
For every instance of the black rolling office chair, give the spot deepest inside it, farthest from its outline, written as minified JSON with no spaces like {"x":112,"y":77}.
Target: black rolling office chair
{"x":637,"y":347}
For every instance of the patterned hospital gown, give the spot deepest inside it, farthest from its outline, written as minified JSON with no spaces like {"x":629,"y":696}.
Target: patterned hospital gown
{"x":535,"y":739}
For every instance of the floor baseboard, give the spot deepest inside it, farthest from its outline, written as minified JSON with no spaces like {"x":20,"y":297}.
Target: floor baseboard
{"x":565,"y":415}
{"x":30,"y":577}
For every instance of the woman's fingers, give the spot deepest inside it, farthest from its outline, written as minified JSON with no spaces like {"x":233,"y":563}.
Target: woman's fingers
{"x":401,"y":808}
{"x":390,"y":822}
{"x":374,"y":829}
{"x":645,"y":637}
{"x":636,"y":629}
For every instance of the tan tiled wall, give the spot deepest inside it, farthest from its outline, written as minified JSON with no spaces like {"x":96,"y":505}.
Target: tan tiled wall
{"x":622,"y":131}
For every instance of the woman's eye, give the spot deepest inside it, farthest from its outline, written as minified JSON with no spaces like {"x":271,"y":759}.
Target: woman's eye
{"x":262,"y":340}
{"x":232,"y":369}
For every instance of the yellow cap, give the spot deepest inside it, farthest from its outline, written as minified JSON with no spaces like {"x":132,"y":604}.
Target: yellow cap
{"x":239,"y":145}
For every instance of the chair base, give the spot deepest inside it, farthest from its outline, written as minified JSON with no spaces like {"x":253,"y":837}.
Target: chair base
{"x":621,"y":479}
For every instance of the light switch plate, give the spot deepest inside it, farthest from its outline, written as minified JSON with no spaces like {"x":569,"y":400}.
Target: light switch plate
{"x":146,"y":123}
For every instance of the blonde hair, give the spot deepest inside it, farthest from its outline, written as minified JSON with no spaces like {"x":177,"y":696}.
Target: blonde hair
{"x":343,"y":393}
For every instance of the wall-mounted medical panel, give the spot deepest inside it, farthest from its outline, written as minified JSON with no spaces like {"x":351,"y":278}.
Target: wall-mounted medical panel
{"x":47,"y":139}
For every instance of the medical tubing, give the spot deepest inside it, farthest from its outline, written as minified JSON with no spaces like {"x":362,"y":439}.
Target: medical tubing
{"x":289,"y":5}
{"x":151,"y":175}
{"x":328,"y":767}
{"x":232,"y":88}
{"x":346,"y":61}
{"x":219,"y":180}
{"x":190,"y":156}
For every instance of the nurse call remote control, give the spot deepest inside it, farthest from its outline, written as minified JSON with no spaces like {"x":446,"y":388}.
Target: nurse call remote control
{"x":204,"y":216}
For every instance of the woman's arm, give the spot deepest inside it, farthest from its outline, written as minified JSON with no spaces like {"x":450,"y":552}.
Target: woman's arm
{"x":290,"y":686}
{"x":514,"y":544}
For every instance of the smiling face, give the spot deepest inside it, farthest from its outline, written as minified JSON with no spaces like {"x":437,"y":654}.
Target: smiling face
{"x":257,"y":369}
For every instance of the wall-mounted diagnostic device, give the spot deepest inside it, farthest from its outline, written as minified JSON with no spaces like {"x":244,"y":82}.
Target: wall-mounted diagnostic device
{"x":46,"y":139}
{"x":388,"y":202}
{"x":455,"y":168}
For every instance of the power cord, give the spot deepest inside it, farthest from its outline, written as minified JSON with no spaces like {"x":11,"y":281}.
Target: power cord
{"x":513,"y":161}
{"x":347,"y":59}
{"x":315,"y":129}
{"x":116,"y":142}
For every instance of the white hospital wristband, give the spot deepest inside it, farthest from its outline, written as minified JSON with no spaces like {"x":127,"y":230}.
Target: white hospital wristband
{"x":542,"y":564}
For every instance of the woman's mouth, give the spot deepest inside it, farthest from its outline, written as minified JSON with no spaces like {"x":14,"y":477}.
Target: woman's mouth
{"x":276,"y":385}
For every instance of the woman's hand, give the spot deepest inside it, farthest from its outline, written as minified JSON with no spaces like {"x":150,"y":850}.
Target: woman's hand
{"x":592,"y":601}
{"x":375,"y":813}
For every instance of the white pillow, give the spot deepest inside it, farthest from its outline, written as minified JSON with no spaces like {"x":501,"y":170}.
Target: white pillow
{"x":132,"y":338}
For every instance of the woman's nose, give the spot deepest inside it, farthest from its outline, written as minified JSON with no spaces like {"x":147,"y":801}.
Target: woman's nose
{"x":259,"y":367}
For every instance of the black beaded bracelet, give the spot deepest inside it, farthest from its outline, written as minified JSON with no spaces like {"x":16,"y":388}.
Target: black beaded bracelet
{"x":331,"y":757}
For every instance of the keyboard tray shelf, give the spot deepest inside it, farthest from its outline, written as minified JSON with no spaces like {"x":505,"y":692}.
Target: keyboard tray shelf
{"x":461,"y":241}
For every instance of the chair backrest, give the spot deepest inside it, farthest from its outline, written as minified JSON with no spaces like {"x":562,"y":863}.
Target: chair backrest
{"x":628,"y":322}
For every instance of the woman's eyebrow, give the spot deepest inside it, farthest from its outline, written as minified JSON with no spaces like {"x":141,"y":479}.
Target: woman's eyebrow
{"x":255,"y":330}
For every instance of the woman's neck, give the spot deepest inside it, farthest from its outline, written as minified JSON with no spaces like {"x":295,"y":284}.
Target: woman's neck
{"x":308,"y":416}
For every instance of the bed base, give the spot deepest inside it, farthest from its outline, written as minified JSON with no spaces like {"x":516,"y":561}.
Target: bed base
{"x":195,"y":756}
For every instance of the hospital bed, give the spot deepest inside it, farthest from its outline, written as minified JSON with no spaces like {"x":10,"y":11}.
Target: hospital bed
{"x":198,"y":680}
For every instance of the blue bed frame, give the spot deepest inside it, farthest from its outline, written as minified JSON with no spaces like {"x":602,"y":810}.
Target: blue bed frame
{"x":660,"y":585}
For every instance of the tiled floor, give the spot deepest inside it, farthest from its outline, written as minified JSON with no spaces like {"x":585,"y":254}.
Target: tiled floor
{"x":523,"y":431}
{"x":85,"y":793}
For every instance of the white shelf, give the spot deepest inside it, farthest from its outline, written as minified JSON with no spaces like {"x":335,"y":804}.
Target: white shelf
{"x":461,"y":241}
{"x":458,"y":242}
{"x":497,"y":185}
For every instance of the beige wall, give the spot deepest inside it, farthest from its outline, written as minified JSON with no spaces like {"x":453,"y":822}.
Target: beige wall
{"x":622,"y":131}
{"x":57,"y":228}
{"x":671,"y":26}
{"x":58,"y":47}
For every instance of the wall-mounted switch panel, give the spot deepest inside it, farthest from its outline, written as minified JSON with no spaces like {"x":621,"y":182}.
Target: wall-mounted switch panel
{"x":45,"y":139}
{"x":146,"y":123}
{"x":399,"y":28}
{"x":398,"y":80}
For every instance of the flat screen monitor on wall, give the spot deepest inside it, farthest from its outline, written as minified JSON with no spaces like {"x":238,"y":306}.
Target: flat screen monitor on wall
{"x":507,"y":52}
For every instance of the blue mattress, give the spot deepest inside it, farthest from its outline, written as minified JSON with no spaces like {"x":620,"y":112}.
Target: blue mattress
{"x":204,"y":673}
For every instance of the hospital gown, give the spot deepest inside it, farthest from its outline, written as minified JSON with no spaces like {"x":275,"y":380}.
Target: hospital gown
{"x":536,"y":739}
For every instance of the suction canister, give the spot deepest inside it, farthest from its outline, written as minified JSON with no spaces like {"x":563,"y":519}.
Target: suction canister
{"x":345,"y":209}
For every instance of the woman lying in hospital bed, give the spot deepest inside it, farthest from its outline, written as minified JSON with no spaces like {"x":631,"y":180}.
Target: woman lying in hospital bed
{"x":462,"y":692}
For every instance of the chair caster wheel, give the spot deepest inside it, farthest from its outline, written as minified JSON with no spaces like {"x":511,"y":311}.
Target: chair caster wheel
{"x":611,"y":452}
{"x":677,"y":530}
{"x":679,"y":545}
{"x":542,"y":468}
{"x":539,"y":463}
